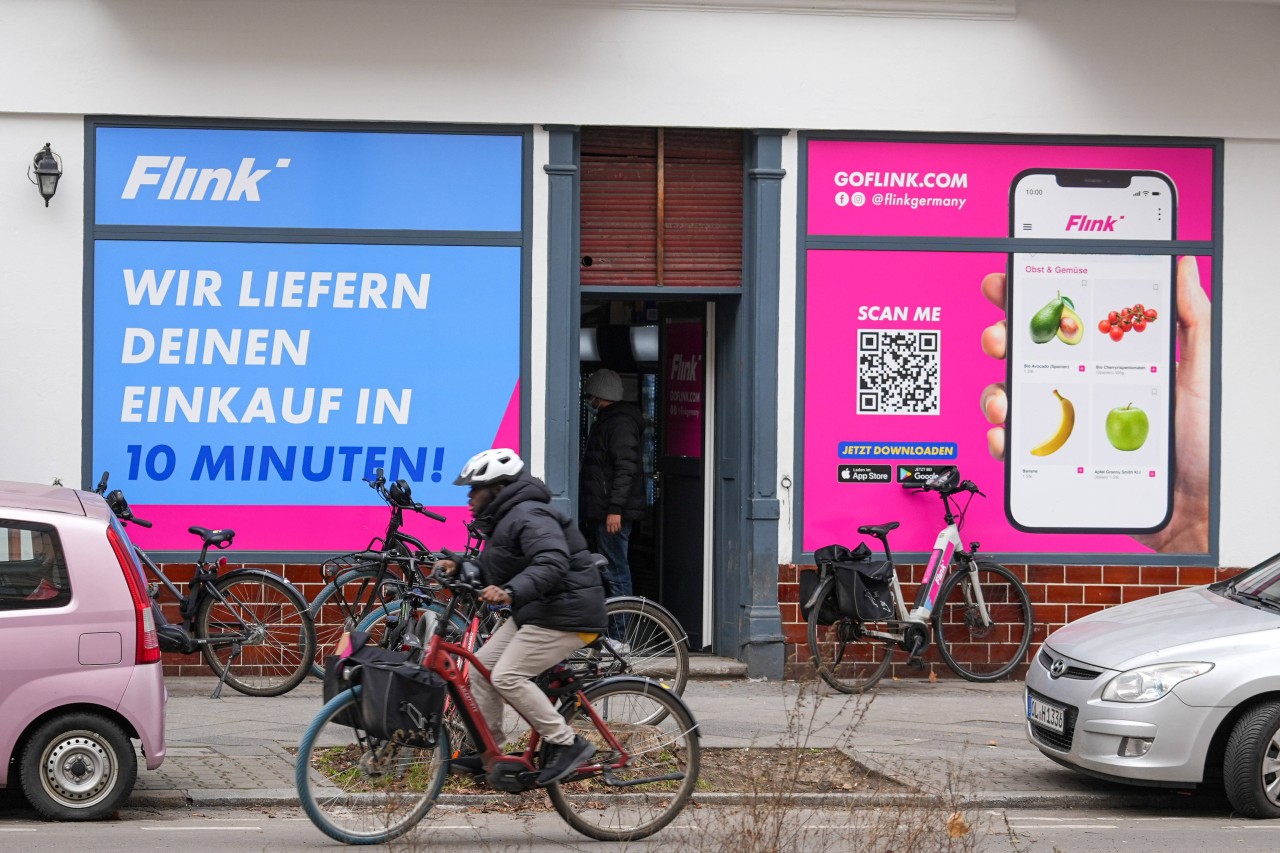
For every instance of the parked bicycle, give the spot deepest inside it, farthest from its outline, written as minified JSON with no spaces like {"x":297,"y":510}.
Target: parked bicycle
{"x":356,"y":583}
{"x":976,"y":611}
{"x":362,"y":589}
{"x":650,"y":642}
{"x":252,"y":627}
{"x":360,"y":781}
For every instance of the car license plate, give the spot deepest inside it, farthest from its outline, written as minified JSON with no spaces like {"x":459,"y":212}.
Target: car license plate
{"x":1043,"y":713}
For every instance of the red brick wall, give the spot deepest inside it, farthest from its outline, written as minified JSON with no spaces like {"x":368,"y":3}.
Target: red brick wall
{"x":1059,"y":594}
{"x":306,"y":578}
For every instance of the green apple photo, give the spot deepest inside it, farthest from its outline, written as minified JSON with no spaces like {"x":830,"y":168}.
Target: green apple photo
{"x":1127,"y":427}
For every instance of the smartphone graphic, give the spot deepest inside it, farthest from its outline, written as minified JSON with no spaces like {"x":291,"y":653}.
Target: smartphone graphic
{"x":1089,"y":431}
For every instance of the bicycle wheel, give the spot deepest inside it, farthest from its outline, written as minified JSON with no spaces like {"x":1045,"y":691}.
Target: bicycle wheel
{"x":350,"y":593}
{"x":977,"y":651}
{"x":362,"y":791}
{"x":634,"y":797}
{"x":845,"y":657}
{"x":375,"y":623}
{"x":650,"y":643}
{"x":329,"y":612}
{"x":261,"y":632}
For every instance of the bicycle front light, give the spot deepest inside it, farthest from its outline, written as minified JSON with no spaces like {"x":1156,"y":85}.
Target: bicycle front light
{"x":1149,"y":683}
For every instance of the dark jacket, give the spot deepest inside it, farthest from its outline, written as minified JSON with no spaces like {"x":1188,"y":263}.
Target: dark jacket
{"x":534,"y":549}
{"x":612,"y":473}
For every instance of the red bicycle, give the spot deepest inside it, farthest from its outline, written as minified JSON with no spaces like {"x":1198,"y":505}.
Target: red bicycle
{"x":362,"y":784}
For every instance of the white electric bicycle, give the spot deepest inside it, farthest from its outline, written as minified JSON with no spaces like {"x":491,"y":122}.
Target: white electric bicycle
{"x":975,"y":611}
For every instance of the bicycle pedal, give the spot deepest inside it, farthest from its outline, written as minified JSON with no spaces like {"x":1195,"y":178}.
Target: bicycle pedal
{"x":916,"y":663}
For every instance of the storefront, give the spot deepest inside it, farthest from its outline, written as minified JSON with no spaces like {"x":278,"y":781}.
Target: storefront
{"x":270,"y":298}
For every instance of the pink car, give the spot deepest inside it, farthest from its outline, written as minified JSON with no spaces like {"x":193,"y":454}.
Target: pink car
{"x":80,"y":674}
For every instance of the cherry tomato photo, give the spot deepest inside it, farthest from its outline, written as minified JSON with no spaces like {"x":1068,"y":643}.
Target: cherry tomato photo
{"x":1116,"y":333}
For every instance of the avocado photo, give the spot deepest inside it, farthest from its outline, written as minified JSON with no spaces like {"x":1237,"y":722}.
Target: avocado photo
{"x":1057,"y":319}
{"x":1070,"y":327}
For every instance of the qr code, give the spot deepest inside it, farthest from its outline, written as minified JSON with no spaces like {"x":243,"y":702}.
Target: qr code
{"x":898,"y":372}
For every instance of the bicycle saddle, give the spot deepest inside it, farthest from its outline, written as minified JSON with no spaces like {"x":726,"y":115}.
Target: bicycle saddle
{"x":878,"y":530}
{"x":212,"y":537}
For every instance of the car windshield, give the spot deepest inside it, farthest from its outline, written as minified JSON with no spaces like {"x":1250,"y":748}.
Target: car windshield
{"x":1261,"y":583}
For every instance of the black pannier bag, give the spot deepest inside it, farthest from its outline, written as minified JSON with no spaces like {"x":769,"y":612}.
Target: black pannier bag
{"x":863,"y":589}
{"x":343,"y":672}
{"x":862,"y":584}
{"x":828,"y":613}
{"x":399,"y":700}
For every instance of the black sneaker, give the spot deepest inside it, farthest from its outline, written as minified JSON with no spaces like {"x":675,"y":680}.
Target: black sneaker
{"x":470,"y":764}
{"x":558,"y":761}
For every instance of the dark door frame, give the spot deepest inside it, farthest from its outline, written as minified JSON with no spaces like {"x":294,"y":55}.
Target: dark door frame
{"x":748,"y":622}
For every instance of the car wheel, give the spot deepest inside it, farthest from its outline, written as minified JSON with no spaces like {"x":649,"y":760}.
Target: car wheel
{"x":78,"y":767}
{"x":1251,"y":765}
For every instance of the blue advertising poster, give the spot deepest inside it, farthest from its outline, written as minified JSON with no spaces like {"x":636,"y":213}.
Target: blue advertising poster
{"x":240,"y":373}
{"x":307,"y":179}
{"x":252,"y":379}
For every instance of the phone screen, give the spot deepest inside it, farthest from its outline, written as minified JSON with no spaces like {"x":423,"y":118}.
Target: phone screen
{"x":1089,"y":432}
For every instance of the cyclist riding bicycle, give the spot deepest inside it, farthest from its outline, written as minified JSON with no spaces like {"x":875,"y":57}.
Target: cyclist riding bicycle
{"x":536,"y":561}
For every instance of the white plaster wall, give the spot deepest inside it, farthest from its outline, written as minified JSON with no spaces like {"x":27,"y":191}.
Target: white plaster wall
{"x":1146,"y":67}
{"x":1140,"y":66}
{"x":788,"y":306}
{"x":1250,"y":524}
{"x":41,"y":300}
{"x":1082,"y":66}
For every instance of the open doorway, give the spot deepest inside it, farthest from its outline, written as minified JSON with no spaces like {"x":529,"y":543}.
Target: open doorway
{"x":661,"y":351}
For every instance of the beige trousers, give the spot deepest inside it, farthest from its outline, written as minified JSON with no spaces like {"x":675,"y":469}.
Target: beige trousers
{"x":513,"y":657}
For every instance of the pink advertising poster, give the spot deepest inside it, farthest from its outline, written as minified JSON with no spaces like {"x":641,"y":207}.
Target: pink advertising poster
{"x":683,"y":364}
{"x":1070,"y":385}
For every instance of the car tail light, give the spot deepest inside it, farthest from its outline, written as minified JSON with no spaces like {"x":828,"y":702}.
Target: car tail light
{"x":148,"y":650}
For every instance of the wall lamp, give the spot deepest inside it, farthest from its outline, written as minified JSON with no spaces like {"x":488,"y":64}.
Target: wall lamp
{"x":44,"y":172}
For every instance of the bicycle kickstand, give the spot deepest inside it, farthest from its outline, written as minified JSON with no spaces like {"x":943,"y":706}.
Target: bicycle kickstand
{"x":217,"y":690}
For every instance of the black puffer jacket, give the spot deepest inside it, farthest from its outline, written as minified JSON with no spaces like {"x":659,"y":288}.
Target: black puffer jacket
{"x":612,"y":474}
{"x":534,"y":549}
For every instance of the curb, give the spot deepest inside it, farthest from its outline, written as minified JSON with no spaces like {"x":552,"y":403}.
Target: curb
{"x":1110,"y":800}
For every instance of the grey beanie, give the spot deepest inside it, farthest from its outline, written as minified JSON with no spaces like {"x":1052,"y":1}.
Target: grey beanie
{"x":604,"y":384}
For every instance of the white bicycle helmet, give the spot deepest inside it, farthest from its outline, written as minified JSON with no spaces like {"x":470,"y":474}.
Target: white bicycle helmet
{"x":490,"y":467}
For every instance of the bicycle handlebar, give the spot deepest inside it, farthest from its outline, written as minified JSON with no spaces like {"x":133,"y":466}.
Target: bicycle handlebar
{"x":399,"y":496}
{"x":943,"y":484}
{"x":117,"y":503}
{"x":141,"y":522}
{"x":419,"y":508}
{"x":467,"y":577}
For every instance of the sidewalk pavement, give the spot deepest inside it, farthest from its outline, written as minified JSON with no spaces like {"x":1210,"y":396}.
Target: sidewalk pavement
{"x":238,"y":750}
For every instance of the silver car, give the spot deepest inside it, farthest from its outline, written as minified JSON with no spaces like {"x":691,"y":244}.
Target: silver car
{"x":1175,"y":690}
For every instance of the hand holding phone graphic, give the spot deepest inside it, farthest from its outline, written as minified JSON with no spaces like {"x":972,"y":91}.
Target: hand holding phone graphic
{"x":1092,"y":423}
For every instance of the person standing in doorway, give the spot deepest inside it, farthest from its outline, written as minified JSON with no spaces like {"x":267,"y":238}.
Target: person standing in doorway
{"x":612,"y":488}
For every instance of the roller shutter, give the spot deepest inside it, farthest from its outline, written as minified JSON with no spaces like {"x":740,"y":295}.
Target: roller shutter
{"x":685,"y":185}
